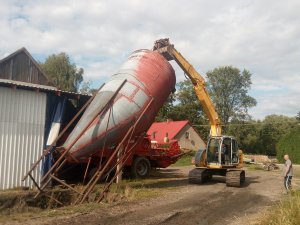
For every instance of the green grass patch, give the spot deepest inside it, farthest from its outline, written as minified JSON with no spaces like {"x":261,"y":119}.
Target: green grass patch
{"x":286,"y":212}
{"x":185,"y":160}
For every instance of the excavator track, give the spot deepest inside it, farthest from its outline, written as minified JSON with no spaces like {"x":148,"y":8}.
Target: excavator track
{"x":199,"y":176}
{"x":234,"y":178}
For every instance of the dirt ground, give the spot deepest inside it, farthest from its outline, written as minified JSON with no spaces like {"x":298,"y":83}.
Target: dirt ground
{"x":211,"y":203}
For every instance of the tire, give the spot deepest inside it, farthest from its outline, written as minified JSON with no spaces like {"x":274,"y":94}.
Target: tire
{"x":140,"y":168}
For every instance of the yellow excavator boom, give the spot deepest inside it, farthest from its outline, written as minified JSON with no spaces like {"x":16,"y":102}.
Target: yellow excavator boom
{"x":164,"y":47}
{"x":221,"y":156}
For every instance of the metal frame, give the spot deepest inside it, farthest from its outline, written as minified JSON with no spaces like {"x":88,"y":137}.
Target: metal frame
{"x":127,"y":152}
{"x":46,"y":179}
{"x":123,"y":150}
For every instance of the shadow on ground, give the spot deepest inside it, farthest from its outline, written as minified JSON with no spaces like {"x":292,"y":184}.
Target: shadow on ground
{"x":180,"y":179}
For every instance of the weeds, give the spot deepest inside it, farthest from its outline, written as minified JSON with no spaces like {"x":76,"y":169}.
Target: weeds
{"x":286,"y":212}
{"x":127,"y":190}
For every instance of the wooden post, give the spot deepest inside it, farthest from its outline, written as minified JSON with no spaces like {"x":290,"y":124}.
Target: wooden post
{"x":119,"y":165}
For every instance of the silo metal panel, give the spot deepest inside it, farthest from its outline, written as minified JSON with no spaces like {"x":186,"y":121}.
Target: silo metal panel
{"x":22,"y":123}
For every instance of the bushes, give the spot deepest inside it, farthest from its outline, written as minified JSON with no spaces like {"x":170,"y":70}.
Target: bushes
{"x":290,"y":144}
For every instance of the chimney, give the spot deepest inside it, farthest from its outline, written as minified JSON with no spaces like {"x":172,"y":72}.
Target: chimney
{"x":166,"y":138}
{"x":169,"y":120}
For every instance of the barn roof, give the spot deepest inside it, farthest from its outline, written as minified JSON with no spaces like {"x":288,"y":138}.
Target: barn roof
{"x":43,"y":88}
{"x":170,"y":127}
{"x":23,"y":49}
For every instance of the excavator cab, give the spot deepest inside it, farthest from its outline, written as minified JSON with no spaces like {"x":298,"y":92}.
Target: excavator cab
{"x":221,"y":157}
{"x":222,"y":151}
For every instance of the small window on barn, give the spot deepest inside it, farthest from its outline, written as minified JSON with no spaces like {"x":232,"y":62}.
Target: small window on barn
{"x":187,"y":135}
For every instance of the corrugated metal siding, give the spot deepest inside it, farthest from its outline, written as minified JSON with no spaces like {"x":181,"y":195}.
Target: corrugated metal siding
{"x":22,"y":122}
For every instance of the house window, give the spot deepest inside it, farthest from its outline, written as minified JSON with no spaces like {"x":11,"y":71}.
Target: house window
{"x":193,"y":142}
{"x":187,"y":135}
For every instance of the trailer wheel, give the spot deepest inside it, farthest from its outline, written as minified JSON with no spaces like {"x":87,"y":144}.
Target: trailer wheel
{"x":140,"y":168}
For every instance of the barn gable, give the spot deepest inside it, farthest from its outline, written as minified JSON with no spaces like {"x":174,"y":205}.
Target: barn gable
{"x":21,"y":66}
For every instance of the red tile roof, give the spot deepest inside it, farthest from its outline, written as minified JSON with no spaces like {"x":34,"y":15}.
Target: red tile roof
{"x":170,"y":127}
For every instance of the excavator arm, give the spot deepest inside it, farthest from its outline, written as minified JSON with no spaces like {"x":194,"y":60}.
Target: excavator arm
{"x":164,"y":47}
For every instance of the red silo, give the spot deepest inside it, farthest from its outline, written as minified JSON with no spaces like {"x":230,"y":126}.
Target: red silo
{"x":148,"y":75}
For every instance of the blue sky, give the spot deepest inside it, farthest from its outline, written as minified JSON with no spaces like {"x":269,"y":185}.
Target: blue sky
{"x":260,"y":36}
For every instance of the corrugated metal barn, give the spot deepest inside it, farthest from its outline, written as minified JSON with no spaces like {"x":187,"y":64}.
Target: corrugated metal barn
{"x":28,"y":116}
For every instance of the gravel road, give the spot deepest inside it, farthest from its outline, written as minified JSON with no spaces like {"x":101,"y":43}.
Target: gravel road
{"x":211,"y":203}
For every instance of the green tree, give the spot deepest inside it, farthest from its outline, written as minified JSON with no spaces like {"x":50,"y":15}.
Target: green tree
{"x":247,"y":134}
{"x":184,"y":105}
{"x":166,"y":111}
{"x":188,"y":105}
{"x":289,"y":144}
{"x":189,"y":108}
{"x":261,"y":137}
{"x":274,"y":127}
{"x":229,"y":87}
{"x":85,"y":88}
{"x":62,"y":73}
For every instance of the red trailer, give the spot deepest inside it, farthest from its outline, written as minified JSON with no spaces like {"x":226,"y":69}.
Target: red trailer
{"x":154,"y":155}
{"x":145,"y":156}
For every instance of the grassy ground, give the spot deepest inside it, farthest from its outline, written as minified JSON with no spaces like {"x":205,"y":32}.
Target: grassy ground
{"x":185,"y":160}
{"x":287,"y":211}
{"x":127,"y":190}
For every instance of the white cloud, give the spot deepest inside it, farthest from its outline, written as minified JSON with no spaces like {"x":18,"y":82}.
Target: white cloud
{"x":261,"y":36}
{"x":270,"y":103}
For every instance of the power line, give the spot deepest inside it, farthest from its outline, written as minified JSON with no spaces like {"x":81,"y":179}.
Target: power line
{"x":249,"y":124}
